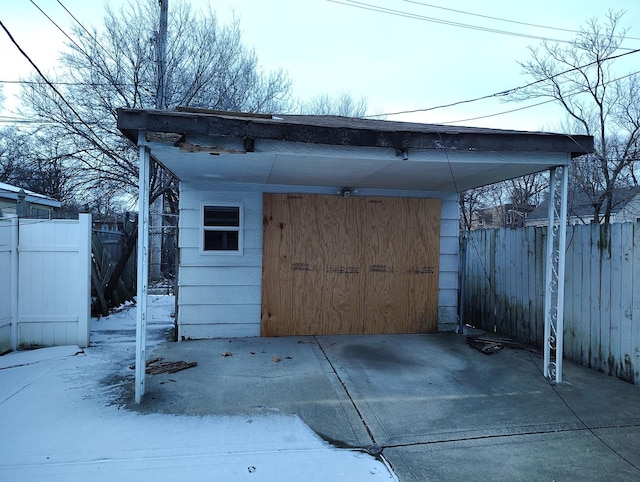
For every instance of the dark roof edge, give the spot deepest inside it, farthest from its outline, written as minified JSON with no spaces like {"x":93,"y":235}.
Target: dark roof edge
{"x":344,"y":131}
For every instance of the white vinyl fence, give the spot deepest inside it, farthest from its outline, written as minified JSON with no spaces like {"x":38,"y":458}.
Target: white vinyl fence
{"x":504,"y":291}
{"x":44,"y":282}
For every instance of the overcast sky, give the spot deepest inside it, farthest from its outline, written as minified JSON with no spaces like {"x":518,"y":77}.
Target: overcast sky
{"x":395,"y":60}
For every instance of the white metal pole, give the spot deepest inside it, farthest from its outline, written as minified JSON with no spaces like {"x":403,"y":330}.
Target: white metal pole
{"x":548,"y":294}
{"x":143,"y":268}
{"x":562,"y":241}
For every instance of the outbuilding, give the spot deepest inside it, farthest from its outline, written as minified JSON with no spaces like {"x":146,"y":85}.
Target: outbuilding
{"x":306,"y":225}
{"x":25,"y":203}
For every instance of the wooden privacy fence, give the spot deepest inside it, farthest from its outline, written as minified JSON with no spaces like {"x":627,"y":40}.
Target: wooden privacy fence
{"x":503,"y":283}
{"x":113,"y":269}
{"x":44,"y":282}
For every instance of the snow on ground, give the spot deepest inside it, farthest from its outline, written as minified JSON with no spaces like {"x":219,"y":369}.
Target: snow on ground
{"x":60,"y":420}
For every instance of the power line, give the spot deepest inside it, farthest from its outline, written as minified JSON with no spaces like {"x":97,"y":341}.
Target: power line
{"x":95,"y":39}
{"x":16,"y":120}
{"x":91,"y":60}
{"x":499,"y":19}
{"x":56,"y":25}
{"x":498,"y":94}
{"x":510,"y":111}
{"x":401,"y":13}
{"x":414,"y":16}
{"x":75,"y":84}
{"x":463,"y":12}
{"x":58,"y":93}
{"x":513,"y":90}
{"x":106,"y":51}
{"x":77,"y":21}
{"x":569,"y":94}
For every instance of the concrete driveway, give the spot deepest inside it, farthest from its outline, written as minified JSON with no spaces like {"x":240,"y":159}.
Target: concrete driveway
{"x":430,"y":405}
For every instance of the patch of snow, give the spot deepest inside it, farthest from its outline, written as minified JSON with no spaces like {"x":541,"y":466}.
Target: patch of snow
{"x":58,"y":425}
{"x":29,"y":357}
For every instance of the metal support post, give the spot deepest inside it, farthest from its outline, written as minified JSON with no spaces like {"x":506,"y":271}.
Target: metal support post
{"x":143,"y":268}
{"x":554,"y":276}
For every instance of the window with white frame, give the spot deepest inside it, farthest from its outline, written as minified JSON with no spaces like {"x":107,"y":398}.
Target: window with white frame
{"x":222,"y":228}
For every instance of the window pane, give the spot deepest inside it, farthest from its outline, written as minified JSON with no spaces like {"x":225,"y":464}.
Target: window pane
{"x":222,"y":216}
{"x":221,"y":240}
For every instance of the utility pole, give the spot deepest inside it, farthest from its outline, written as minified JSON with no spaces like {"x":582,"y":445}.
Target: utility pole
{"x":161,"y":52}
{"x":157,"y":207}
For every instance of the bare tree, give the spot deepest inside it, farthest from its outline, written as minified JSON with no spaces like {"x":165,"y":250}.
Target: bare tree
{"x":504,"y":204}
{"x":33,"y":163}
{"x":12,"y":147}
{"x":471,"y":202}
{"x":580,"y":77}
{"x":343,"y":104}
{"x":207,"y":66}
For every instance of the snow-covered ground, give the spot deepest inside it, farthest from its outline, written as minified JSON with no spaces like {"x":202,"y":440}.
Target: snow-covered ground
{"x":61,"y":419}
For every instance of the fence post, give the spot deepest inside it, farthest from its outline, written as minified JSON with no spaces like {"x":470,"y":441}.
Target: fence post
{"x":13,"y":243}
{"x":84,"y":265}
{"x":22,"y":206}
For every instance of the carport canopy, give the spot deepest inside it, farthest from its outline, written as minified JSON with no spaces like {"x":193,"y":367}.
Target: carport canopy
{"x":213,"y":146}
{"x":205,"y":146}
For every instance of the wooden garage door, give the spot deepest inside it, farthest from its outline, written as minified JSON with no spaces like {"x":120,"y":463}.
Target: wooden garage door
{"x":357,"y":265}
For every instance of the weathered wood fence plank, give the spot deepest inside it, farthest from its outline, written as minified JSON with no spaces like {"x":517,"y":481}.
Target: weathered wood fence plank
{"x":634,"y":350}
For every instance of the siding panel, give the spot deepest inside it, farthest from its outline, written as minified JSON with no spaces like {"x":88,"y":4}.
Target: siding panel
{"x":217,"y":295}
{"x":220,"y":276}
{"x":204,"y":314}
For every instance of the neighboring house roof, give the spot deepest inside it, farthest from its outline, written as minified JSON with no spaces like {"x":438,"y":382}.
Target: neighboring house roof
{"x":580,"y":205}
{"x":8,"y":191}
{"x":207,"y":146}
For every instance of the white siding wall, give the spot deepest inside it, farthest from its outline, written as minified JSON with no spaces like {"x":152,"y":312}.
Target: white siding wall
{"x":449,"y":262}
{"x":220,"y":295}
{"x":631,"y":212}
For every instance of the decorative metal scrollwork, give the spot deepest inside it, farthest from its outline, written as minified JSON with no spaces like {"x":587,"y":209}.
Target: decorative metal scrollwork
{"x":554,"y":282}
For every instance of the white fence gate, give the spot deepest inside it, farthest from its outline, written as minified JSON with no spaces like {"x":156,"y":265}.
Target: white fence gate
{"x":45,"y":284}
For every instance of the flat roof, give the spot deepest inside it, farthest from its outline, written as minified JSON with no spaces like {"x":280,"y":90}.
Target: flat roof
{"x":341,"y":151}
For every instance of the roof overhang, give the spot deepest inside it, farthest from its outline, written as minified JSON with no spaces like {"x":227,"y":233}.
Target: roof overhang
{"x":212,"y":146}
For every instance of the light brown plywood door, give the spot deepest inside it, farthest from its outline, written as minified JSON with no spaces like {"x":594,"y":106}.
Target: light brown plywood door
{"x":310,"y":273}
{"x":400,"y":245}
{"x":349,"y":266}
